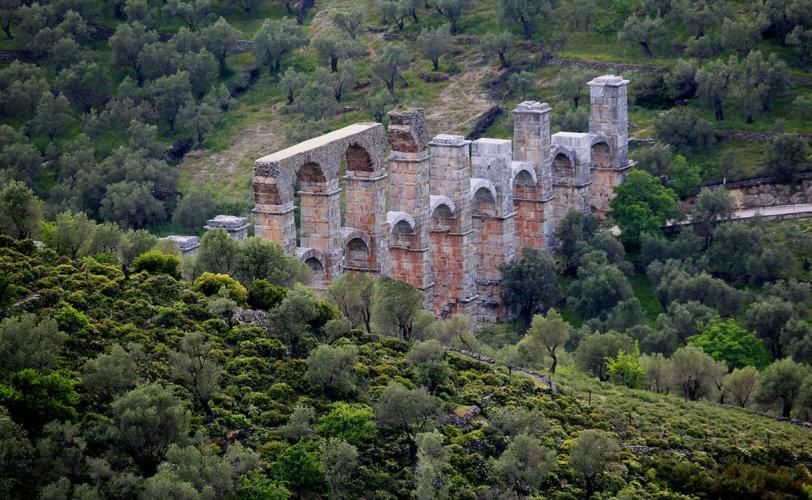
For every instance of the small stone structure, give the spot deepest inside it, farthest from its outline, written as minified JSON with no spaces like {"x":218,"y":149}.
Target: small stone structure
{"x":455,"y":210}
{"x":188,"y":245}
{"x":236,"y":227}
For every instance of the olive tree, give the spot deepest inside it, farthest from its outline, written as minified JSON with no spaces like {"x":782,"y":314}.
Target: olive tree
{"x":593,"y":452}
{"x":196,"y":368}
{"x":434,"y":44}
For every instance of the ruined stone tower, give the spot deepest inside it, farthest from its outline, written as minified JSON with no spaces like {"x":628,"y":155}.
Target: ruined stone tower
{"x":609,"y":128}
{"x":456,"y":209}
{"x":533,"y":175}
{"x":452,"y":236}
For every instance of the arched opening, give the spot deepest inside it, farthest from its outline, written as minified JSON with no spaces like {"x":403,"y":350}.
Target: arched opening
{"x":316,"y":271}
{"x":309,"y":214}
{"x":357,"y":253}
{"x":562,"y":167}
{"x":442,"y":218}
{"x":601,"y":155}
{"x":524,"y":179}
{"x":484,"y":204}
{"x":311,"y":174}
{"x":403,"y":227}
{"x":358,"y":160}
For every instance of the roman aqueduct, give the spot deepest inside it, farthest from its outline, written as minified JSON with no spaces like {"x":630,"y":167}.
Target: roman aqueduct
{"x":440,"y":213}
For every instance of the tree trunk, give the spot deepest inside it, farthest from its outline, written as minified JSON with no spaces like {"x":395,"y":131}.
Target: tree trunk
{"x":334,"y":64}
{"x":207,"y":410}
{"x":718,"y":110}
{"x":575,"y":101}
{"x":590,"y":487}
{"x":290,"y":96}
{"x":647,"y":49}
{"x":436,"y":63}
{"x":414,"y":16}
{"x":390,"y":85}
{"x":7,"y":31}
{"x":502,"y":59}
{"x":786,"y":409}
{"x":555,"y":363}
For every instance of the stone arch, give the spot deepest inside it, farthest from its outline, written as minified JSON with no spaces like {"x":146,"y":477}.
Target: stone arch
{"x":524,"y":175}
{"x":357,"y":245}
{"x":442,"y":206}
{"x":478,"y":184}
{"x":311,"y":175}
{"x":357,"y":253}
{"x":400,"y":222}
{"x":358,"y":159}
{"x":601,"y":155}
{"x":563,"y":166}
{"x":483,"y":197}
{"x":315,"y":261}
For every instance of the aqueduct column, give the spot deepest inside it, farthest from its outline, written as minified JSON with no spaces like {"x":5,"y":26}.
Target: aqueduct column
{"x":572,"y":175}
{"x":409,"y":196}
{"x":535,"y":223}
{"x":491,"y":161}
{"x":453,"y":247}
{"x":365,"y":186}
{"x":609,"y":126}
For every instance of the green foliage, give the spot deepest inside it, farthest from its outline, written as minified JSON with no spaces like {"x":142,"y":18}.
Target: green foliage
{"x":627,"y":369}
{"x":148,"y":419}
{"x":525,"y":464}
{"x":331,"y":369}
{"x":210,"y":284}
{"x":157,"y":262}
{"x":274,"y":40}
{"x":641,"y":206}
{"x":726,"y":341}
{"x":780,"y":384}
{"x":695,"y":374}
{"x":592,"y":453}
{"x":785,"y":155}
{"x":395,"y":307}
{"x":435,"y":43}
{"x":36,"y":399}
{"x":20,"y":211}
{"x":684,"y":130}
{"x":529,"y":284}
{"x":595,"y":350}
{"x":298,"y":468}
{"x":263,"y":295}
{"x":29,"y":342}
{"x":350,"y":422}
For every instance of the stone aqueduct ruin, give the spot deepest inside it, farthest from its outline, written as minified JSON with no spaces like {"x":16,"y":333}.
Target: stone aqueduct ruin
{"x":440,"y":213}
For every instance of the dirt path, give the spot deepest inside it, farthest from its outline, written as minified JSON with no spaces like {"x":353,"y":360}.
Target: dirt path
{"x":544,"y":379}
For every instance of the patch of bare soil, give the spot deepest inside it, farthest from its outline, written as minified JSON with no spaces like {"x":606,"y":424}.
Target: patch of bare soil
{"x":462,"y":101}
{"x":201,"y":167}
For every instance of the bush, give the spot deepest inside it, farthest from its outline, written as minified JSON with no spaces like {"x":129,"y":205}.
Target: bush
{"x":157,"y":262}
{"x":209,"y":284}
{"x":265,"y":296}
{"x":683,"y":129}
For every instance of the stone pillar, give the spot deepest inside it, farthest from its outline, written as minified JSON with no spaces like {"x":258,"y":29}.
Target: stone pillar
{"x":320,"y":212}
{"x":274,"y":215}
{"x":495,"y":232}
{"x":535,"y":222}
{"x":365,"y":195}
{"x":409,"y":193}
{"x":572,"y":174}
{"x":454,"y":265}
{"x":609,"y":126}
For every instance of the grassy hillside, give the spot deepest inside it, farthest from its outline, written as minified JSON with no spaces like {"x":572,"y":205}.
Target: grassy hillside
{"x":666,"y":447}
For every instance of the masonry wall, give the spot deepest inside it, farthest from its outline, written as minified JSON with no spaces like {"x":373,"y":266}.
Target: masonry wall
{"x":442,"y":214}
